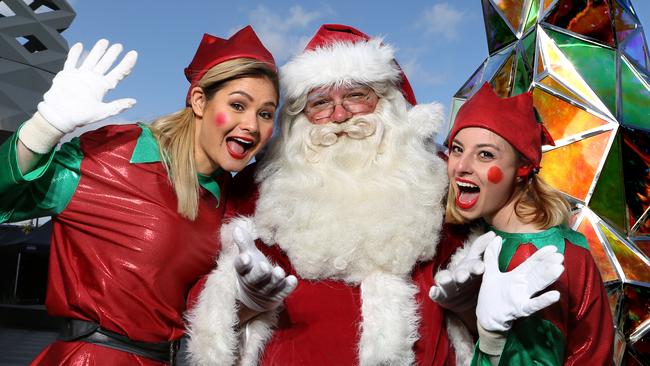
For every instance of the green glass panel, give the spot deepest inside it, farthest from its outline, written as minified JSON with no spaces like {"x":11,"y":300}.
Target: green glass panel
{"x":635,"y":97}
{"x":523,"y":77}
{"x":528,"y":43}
{"x":456,"y":103}
{"x":497,"y":30}
{"x":595,"y":64}
{"x":624,"y":21}
{"x":470,"y":85}
{"x":631,"y":262}
{"x":635,"y":153}
{"x":531,"y":17}
{"x":589,"y":18}
{"x":636,"y":50}
{"x":608,"y":199}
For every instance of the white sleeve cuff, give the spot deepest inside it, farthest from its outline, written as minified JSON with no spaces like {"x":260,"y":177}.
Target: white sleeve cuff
{"x":38,"y":135}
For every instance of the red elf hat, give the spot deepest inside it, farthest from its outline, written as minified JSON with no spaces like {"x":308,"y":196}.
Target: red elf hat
{"x":511,"y":118}
{"x":214,"y":50}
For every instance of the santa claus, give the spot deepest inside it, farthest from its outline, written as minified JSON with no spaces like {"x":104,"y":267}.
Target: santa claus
{"x":349,"y":201}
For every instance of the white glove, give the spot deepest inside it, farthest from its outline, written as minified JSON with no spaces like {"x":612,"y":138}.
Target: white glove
{"x":259,"y":286}
{"x":506,"y":296}
{"x":76,"y":96}
{"x":457,"y":289}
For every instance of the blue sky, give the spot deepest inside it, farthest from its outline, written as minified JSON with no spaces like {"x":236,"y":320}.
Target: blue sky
{"x":439,"y":43}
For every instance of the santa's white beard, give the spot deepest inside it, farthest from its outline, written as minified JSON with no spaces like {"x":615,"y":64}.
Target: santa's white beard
{"x":348,"y":208}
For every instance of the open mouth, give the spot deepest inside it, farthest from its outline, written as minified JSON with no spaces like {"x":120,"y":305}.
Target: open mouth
{"x":238,"y":147}
{"x":466,"y":194}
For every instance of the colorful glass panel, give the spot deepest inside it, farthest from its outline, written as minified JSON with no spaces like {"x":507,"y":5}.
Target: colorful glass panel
{"x":512,"y":10}
{"x":633,"y":266}
{"x":497,"y":30}
{"x":589,"y":18}
{"x":522,"y":78}
{"x":643,"y":245}
{"x":636,"y":308}
{"x":635,"y":96}
{"x":528,"y":43}
{"x":470,"y":85}
{"x":583,"y":157}
{"x":561,"y":118}
{"x":596,"y":65}
{"x":636,"y":171}
{"x":531,"y":17}
{"x":624,"y":21}
{"x":563,"y":70}
{"x":605,"y":266}
{"x":557,"y":87}
{"x":635,"y":49}
{"x":501,"y":82}
{"x":608,"y":199}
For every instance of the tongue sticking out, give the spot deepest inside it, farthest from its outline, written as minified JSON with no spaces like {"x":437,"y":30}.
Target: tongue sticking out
{"x":466,"y":199}
{"x":235,"y":147}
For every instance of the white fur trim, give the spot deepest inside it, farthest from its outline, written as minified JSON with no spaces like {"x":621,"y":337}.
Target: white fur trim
{"x":462,"y":252}
{"x":427,"y":118}
{"x":362,"y":62}
{"x":390,"y":320}
{"x":213,"y":322}
{"x":460,"y":339}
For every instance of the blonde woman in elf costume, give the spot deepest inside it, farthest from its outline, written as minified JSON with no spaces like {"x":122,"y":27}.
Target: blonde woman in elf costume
{"x":494,"y":156}
{"x":136,"y":208}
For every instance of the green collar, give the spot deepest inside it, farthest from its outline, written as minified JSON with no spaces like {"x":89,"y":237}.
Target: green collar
{"x":147,"y":151}
{"x":554,"y":236}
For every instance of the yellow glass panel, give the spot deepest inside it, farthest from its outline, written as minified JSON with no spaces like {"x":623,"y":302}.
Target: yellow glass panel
{"x":560,"y":118}
{"x":547,"y":3}
{"x":605,"y":266}
{"x":633,"y":266}
{"x":562,"y":69}
{"x":558,"y":87}
{"x":502,"y":81}
{"x":512,"y":9}
{"x":581,"y":158}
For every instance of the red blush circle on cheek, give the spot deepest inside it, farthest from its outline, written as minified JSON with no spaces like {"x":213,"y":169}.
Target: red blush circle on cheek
{"x":221,"y":119}
{"x":494,"y":175}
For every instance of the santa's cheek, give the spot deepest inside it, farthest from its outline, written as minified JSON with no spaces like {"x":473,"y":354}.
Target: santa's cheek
{"x":221,"y":119}
{"x":494,"y":175}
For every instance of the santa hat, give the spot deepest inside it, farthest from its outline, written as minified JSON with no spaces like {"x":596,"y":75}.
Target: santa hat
{"x":214,"y":50}
{"x":339,"y":54}
{"x":511,"y":118}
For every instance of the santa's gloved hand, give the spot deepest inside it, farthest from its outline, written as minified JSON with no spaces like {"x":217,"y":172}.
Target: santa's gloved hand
{"x":76,"y":96}
{"x":506,"y":296}
{"x":457,"y":289}
{"x":260,"y":286}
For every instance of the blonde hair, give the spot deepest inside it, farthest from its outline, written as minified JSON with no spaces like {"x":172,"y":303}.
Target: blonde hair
{"x":175,"y":132}
{"x":536,"y":202}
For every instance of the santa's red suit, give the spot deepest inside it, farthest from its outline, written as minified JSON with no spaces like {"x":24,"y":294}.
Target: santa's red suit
{"x":357,"y":220}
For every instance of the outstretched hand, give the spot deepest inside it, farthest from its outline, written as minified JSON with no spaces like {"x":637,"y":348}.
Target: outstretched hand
{"x":506,"y":296}
{"x":457,"y":289}
{"x":261,"y":287}
{"x":76,"y":97}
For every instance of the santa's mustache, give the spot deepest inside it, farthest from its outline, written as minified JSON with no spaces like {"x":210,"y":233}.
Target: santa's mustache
{"x":357,"y":128}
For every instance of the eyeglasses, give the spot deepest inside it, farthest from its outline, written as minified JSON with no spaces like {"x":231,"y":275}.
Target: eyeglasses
{"x":321,"y":104}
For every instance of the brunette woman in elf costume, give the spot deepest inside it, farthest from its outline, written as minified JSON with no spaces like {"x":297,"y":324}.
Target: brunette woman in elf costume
{"x":136,"y":208}
{"x":494,"y":157}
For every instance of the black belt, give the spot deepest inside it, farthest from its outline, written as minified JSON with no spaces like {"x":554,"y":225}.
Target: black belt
{"x":84,"y":331}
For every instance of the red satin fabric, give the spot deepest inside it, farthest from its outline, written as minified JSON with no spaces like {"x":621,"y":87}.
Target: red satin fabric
{"x":121,"y":255}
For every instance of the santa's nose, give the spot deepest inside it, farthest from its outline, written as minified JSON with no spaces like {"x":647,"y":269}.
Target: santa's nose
{"x":340,"y":114}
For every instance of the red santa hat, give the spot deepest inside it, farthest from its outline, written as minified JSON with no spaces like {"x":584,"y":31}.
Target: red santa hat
{"x":214,"y":50}
{"x":511,"y":118}
{"x":339,"y":54}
